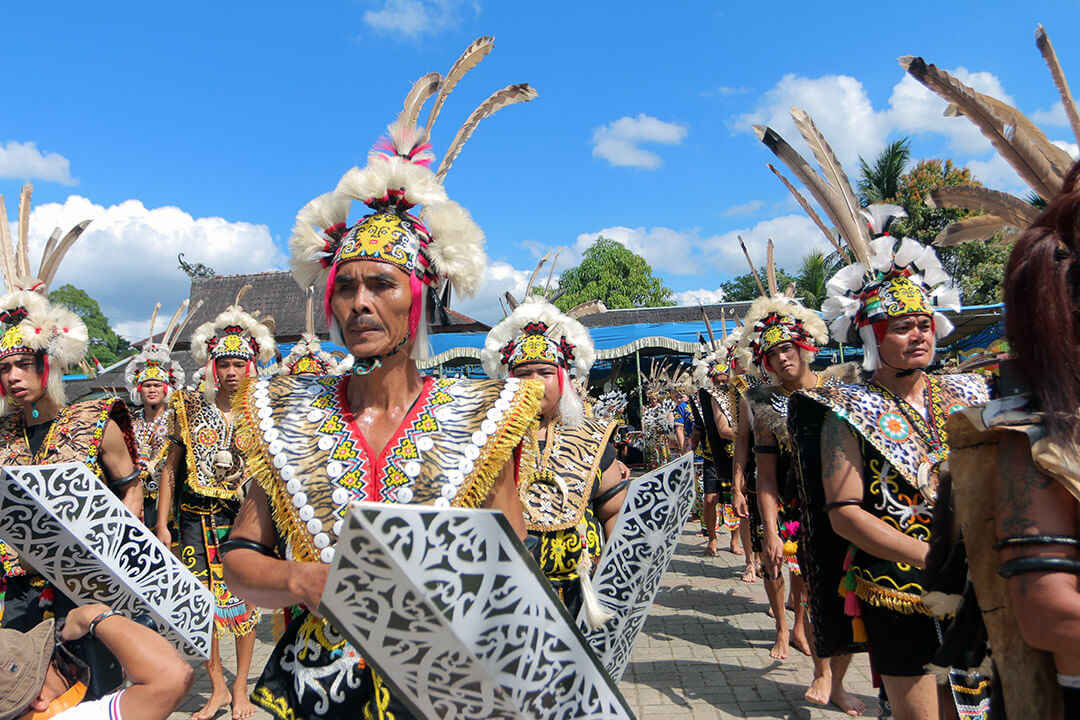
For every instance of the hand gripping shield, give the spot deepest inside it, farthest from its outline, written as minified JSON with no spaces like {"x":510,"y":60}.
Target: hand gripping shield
{"x":65,"y":523}
{"x":450,"y":610}
{"x":636,"y":558}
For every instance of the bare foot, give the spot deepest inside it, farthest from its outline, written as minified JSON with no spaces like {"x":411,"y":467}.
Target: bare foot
{"x":818,"y":692}
{"x":847,"y":702}
{"x":798,"y":641}
{"x":780,"y":648}
{"x":710,"y":549}
{"x":735,"y":549}
{"x":770,"y":613}
{"x":242,"y":707}
{"x":217,"y":700}
{"x":749,"y":575}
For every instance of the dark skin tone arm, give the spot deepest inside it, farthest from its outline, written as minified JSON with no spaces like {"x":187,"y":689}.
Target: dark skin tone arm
{"x":722,"y":424}
{"x":738,"y":462}
{"x":1046,"y":604}
{"x":768,"y":500}
{"x":166,"y":491}
{"x":607,"y":512}
{"x":841,"y":474}
{"x":116,"y":459}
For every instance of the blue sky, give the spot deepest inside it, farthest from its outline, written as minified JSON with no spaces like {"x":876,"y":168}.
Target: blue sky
{"x":204,"y":127}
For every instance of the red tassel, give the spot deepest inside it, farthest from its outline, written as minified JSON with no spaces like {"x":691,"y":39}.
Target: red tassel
{"x":851,"y":605}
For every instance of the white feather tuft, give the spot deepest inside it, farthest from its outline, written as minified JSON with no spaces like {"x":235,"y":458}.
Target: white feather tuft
{"x":457,"y":249}
{"x":70,"y":338}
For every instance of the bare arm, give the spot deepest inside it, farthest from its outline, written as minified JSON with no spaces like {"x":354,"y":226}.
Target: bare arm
{"x":265,"y":581}
{"x":841,"y":474}
{"x":504,"y":497}
{"x":768,"y":499}
{"x":608,"y":511}
{"x":116,"y":459}
{"x":680,"y":437}
{"x":160,"y":677}
{"x":722,"y":424}
{"x":739,"y":462}
{"x":166,"y":490}
{"x":1047,"y":604}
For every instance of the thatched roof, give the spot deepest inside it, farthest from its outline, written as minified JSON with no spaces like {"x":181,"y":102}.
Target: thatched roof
{"x":676,"y":314}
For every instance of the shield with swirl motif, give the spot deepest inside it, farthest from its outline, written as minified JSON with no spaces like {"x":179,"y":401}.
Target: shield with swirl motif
{"x":449,"y":608}
{"x":636,"y":557}
{"x":64,"y":522}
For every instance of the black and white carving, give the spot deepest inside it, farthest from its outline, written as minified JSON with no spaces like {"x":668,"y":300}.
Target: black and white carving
{"x":636,"y":557}
{"x":449,"y":609}
{"x":65,"y":523}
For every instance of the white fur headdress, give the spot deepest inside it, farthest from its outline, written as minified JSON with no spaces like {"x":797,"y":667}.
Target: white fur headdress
{"x":28,"y":321}
{"x":774,"y":320}
{"x":233,"y":333}
{"x":307,"y":356}
{"x":439,"y":246}
{"x":154,"y":361}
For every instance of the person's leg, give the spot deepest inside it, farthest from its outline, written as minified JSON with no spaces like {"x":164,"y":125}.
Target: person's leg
{"x":774,"y":590}
{"x":241,"y":704}
{"x":838,"y":695}
{"x":709,"y":513}
{"x":800,"y":628}
{"x":750,"y":573}
{"x":219,"y":690}
{"x":912,"y":697}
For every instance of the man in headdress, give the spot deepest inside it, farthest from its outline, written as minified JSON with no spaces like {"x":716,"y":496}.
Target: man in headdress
{"x":713,"y":436}
{"x":571,"y":484}
{"x":783,"y":337}
{"x":877,"y":448}
{"x":150,"y":376}
{"x":381,"y":433}
{"x":40,"y":341}
{"x":743,"y":469}
{"x":204,"y":471}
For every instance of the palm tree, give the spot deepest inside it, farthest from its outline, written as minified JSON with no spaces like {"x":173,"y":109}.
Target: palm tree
{"x":815,"y":270}
{"x":880,"y":182}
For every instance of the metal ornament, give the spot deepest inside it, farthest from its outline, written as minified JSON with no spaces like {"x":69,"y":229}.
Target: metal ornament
{"x":642,"y":543}
{"x":65,"y":523}
{"x":451,"y":612}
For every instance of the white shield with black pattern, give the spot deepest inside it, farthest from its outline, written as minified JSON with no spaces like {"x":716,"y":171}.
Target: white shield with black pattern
{"x":450,"y":610}
{"x":66,"y":525}
{"x":636,"y":557}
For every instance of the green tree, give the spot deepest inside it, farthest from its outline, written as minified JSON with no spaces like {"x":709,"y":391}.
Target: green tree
{"x":978,"y":268}
{"x":105,"y":344}
{"x":815,"y":270}
{"x":881,"y":181}
{"x":744,"y":287}
{"x":611,"y":272}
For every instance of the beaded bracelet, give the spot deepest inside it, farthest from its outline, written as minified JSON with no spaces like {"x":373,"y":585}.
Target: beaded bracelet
{"x":103,"y":616}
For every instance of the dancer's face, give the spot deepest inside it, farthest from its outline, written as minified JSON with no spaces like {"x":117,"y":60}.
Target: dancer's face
{"x":152,"y":393}
{"x":230,"y":371}
{"x":20,"y":378}
{"x":786,"y":361}
{"x":908,"y":342}
{"x":549,"y":375}
{"x":371,"y":302}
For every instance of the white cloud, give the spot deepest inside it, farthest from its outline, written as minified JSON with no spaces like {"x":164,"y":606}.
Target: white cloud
{"x":1070,"y":147}
{"x":725,"y":91}
{"x":126,"y":259}
{"x":792,"y":235}
{"x":744,"y":209}
{"x":23,"y":161}
{"x":618,"y":142}
{"x":413,"y":18}
{"x":666,"y":250}
{"x":499,"y":277}
{"x":703,"y":296}
{"x":1053,"y":116}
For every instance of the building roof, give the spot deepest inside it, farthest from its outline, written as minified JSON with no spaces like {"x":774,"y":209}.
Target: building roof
{"x":673,"y":314}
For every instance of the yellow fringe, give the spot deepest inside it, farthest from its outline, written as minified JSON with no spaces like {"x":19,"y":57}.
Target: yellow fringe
{"x":894,"y":600}
{"x":176,"y":400}
{"x":520,"y":419}
{"x":858,"y":630}
{"x":275,"y":706}
{"x":260,"y":468}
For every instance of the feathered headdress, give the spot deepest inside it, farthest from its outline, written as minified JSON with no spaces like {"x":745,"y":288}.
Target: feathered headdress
{"x":1038,"y":161}
{"x":307,"y":356}
{"x":28,"y":321}
{"x":714,"y":360}
{"x":439,"y":247}
{"x":232,"y":334}
{"x":884,"y":278}
{"x":154,"y":361}
{"x":536,"y":331}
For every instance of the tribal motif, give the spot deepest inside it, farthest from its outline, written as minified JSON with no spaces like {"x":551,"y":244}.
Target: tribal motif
{"x":152,"y":442}
{"x":450,"y":613}
{"x":215,"y":466}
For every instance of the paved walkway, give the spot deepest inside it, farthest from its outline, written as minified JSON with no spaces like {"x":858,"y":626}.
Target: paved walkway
{"x":704,"y":652}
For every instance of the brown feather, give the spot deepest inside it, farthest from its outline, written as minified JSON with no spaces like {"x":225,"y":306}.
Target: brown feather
{"x":826,"y":158}
{"x":979,"y":227}
{"x":1047,"y":50}
{"x":753,"y":270}
{"x":532,"y":278}
{"x":7,"y":263}
{"x":1008,"y":207}
{"x":51,"y":264}
{"x":1023,"y":157}
{"x":419,"y":94}
{"x":240,"y":295}
{"x":153,"y":319}
{"x":22,"y":255}
{"x":807,"y":208}
{"x":723,"y":325}
{"x":171,"y":327}
{"x":183,"y":324}
{"x":1025,"y":130}
{"x":770,"y":269}
{"x":309,"y":310}
{"x":589,"y":307}
{"x":50,"y":245}
{"x":503,"y":98}
{"x":854,"y":233}
{"x":469,"y":59}
{"x":708,"y":327}
{"x":551,"y":273}
{"x":510,"y":300}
